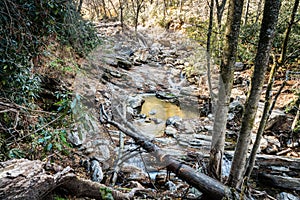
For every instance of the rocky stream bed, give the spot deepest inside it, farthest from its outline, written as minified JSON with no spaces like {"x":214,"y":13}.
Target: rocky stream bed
{"x":157,"y":81}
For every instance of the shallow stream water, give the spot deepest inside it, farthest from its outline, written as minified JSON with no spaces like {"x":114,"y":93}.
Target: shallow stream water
{"x":159,"y":110}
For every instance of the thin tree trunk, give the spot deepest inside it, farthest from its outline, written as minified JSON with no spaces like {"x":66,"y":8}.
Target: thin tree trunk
{"x":296,"y":119}
{"x":79,"y":6}
{"x":104,"y":8}
{"x":267,"y":111}
{"x":121,"y":2}
{"x":287,"y":32}
{"x":220,"y":11}
{"x":208,"y":53}
{"x":267,"y":32}
{"x":138,"y":9}
{"x":114,"y":8}
{"x":258,"y":10}
{"x":225,"y":85}
{"x":263,"y":122}
{"x":246,"y":12}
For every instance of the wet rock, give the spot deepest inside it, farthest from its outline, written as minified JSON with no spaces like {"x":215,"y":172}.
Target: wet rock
{"x":133,"y":172}
{"x":135,"y":102}
{"x":171,"y":131}
{"x":276,"y":120}
{"x":142,"y":56}
{"x":165,"y":95}
{"x":115,"y":74}
{"x":142,"y":116}
{"x":123,"y":63}
{"x":152,"y":112}
{"x":197,"y":142}
{"x":286,"y":196}
{"x":175,"y":120}
{"x":236,"y":108}
{"x":96,"y":171}
{"x":171,"y":186}
{"x":157,"y":121}
{"x":166,"y":141}
{"x":239,"y":66}
{"x":76,"y":138}
{"x":208,"y":128}
{"x":186,"y":127}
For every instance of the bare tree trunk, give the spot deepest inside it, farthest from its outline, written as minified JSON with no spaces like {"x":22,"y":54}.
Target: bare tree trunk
{"x":121,"y":3}
{"x":225,"y":85}
{"x":246,"y":12}
{"x":267,"y":111}
{"x":267,"y":33}
{"x":220,"y":11}
{"x":287,"y":32}
{"x":139,"y":4}
{"x":296,"y":119}
{"x":79,"y":6}
{"x":208,"y":52}
{"x":104,"y":8}
{"x":258,"y":12}
{"x":262,"y":124}
{"x":114,"y":8}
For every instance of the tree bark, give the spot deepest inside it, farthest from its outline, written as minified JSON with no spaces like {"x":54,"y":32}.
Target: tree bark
{"x":258,"y":10}
{"x":267,"y":33}
{"x":225,"y":86}
{"x":287,"y":33}
{"x":267,"y":111}
{"x":220,"y":11}
{"x":208,"y":52}
{"x":246,"y":12}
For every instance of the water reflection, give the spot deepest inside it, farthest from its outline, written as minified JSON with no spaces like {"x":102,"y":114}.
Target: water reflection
{"x":163,"y":110}
{"x":159,"y":111}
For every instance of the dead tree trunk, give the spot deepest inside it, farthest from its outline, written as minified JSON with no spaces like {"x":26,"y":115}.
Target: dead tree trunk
{"x":207,"y":185}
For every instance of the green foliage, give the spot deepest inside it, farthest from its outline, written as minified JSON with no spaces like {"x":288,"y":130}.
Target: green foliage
{"x":249,"y":36}
{"x":106,"y":193}
{"x":26,"y":28}
{"x":64,"y":102}
{"x":297,"y":127}
{"x":16,"y":153}
{"x":59,"y":198}
{"x":53,"y":140}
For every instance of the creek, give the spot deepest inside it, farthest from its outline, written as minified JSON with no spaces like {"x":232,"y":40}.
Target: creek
{"x":159,"y":111}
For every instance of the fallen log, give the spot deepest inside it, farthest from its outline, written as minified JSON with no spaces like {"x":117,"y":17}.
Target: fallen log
{"x":211,"y":188}
{"x":25,"y":179}
{"x":279,"y":181}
